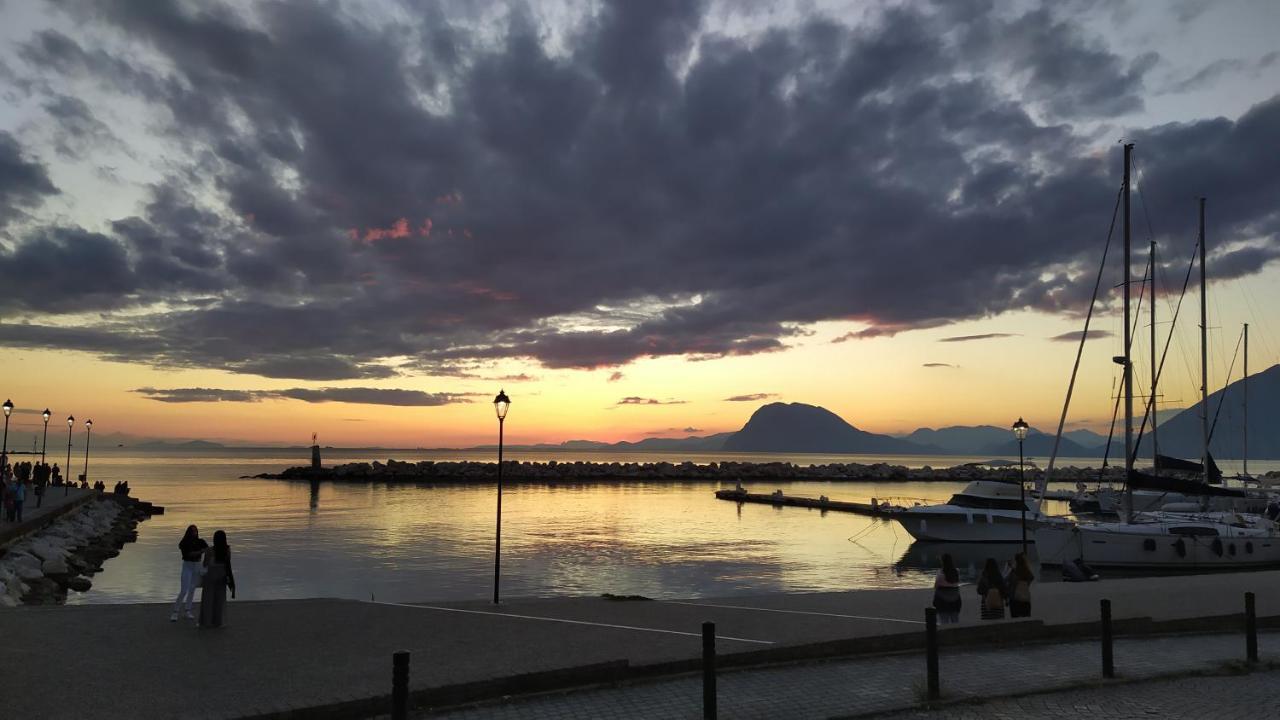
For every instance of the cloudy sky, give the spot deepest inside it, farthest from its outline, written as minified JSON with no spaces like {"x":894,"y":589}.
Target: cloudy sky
{"x":258,"y":220}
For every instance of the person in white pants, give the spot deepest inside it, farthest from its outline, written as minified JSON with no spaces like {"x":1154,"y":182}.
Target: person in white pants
{"x":193,"y":550}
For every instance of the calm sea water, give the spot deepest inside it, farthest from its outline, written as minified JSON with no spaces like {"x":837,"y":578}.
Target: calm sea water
{"x":424,"y":542}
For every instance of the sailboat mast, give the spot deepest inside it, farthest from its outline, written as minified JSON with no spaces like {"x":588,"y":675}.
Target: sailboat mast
{"x":1204,"y":353}
{"x":1246,"y":399}
{"x":1128,"y":340}
{"x":1155,"y":448}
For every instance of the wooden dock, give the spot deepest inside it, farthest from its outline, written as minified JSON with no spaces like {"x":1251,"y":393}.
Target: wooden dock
{"x":873,"y":508}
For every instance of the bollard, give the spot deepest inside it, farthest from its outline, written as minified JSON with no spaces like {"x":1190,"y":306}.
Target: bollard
{"x":1108,"y":664}
{"x":931,"y":651}
{"x":400,"y":685}
{"x":1250,"y":629}
{"x":709,"y":670}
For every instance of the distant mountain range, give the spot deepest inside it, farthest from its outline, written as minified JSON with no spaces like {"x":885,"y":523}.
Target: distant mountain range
{"x":1181,"y":435}
{"x":796,"y":427}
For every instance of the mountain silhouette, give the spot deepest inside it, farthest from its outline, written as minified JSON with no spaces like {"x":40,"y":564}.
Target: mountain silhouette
{"x":1180,"y":436}
{"x":797,"y":427}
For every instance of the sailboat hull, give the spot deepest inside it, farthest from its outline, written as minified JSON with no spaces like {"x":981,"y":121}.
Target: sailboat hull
{"x":1159,"y":546}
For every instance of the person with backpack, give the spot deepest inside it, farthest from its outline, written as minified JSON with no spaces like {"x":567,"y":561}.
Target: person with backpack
{"x":946,"y":592}
{"x":1018,"y":582}
{"x":993,"y":591}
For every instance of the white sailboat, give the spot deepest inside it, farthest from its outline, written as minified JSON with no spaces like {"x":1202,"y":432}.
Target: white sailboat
{"x":1162,"y":540}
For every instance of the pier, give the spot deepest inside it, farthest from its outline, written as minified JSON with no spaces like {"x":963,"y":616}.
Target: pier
{"x":873,"y":508}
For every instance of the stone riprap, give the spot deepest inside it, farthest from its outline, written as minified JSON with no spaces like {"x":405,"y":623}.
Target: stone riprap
{"x":40,"y":568}
{"x":583,"y":472}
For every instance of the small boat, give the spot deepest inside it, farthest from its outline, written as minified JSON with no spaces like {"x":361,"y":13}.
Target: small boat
{"x":985,"y":511}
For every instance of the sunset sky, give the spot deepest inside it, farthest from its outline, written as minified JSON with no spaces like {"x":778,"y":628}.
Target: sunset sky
{"x":252,"y":221}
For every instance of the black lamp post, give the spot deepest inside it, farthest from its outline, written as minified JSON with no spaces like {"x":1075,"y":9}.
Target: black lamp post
{"x":66,"y":482}
{"x":8,"y":408}
{"x":88,"y":433}
{"x":1020,"y":431}
{"x":500,"y":404}
{"x":44,"y":444}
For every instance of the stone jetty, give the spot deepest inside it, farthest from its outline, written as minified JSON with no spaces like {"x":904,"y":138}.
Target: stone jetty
{"x":553,"y":472}
{"x":39,"y":568}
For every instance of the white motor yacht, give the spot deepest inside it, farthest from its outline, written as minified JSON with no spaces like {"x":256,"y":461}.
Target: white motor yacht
{"x":985,"y":511}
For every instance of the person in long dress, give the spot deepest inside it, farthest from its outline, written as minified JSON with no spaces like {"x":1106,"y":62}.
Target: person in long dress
{"x":218,"y":577}
{"x":946,"y":592}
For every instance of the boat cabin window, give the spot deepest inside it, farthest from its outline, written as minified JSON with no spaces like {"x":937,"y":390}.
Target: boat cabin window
{"x":1193,"y":531}
{"x":984,"y":503}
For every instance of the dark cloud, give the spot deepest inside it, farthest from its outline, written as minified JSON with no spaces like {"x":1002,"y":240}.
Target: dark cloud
{"x":344,"y":195}
{"x":939,"y":365}
{"x":665,"y":431}
{"x":24,"y":183}
{"x":633,"y":400}
{"x":1074,"y":336}
{"x":359,"y":396}
{"x":983,"y":336}
{"x":753,"y":397}
{"x":615,"y":376}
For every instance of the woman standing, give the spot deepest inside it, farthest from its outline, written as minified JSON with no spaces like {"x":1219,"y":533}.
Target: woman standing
{"x":217,"y":578}
{"x":946,"y":592}
{"x":192,"y":549}
{"x":992,"y":590}
{"x":1019,"y":584}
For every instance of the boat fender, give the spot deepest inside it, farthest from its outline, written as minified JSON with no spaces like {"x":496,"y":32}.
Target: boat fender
{"x":1149,"y":544}
{"x":1181,"y":547}
{"x":1248,"y":547}
{"x":1231,"y":549}
{"x":1217,"y":547}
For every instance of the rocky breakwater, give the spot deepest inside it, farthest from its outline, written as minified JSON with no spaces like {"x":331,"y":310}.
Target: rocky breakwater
{"x":552,"y":472}
{"x":39,"y":569}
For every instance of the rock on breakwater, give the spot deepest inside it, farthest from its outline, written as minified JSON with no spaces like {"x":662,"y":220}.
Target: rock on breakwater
{"x":39,"y":569}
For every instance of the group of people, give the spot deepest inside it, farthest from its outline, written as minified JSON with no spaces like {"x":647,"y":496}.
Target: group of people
{"x":996,"y":589}
{"x":20,"y":481}
{"x":209,"y":569}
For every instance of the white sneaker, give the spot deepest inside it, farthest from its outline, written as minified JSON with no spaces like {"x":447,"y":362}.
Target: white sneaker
{"x":190,"y":616}
{"x":173,"y":616}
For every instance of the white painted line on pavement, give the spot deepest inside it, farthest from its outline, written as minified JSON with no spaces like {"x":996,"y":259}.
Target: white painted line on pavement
{"x":571,"y":622}
{"x":793,"y":612}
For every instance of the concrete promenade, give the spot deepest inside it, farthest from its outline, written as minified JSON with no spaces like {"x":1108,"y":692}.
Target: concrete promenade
{"x":57,"y":500}
{"x":128,"y":661}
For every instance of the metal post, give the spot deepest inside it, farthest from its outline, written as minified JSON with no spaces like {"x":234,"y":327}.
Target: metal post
{"x":66,"y":481}
{"x":931,"y":651}
{"x":497,"y":543}
{"x":1155,"y":405}
{"x":400,"y":685}
{"x":1245,"y":455}
{"x":4,"y":449}
{"x":1022,"y":494}
{"x":1108,"y":663}
{"x":44,"y":445}
{"x":1250,"y":629}
{"x":708,"y":671}
{"x":88,"y":433}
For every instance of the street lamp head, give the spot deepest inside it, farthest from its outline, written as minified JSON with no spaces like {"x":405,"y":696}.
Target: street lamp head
{"x":71,"y":420}
{"x":88,"y":424}
{"x":1020,"y":429}
{"x":46,"y":415}
{"x":501,"y":404}
{"x":8,"y":407}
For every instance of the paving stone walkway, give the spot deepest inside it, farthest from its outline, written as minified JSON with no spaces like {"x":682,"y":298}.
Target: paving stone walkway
{"x":1237,"y":697}
{"x":887,"y":683}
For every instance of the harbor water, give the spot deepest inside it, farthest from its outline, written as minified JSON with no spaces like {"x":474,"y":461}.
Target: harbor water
{"x":410,"y":542}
